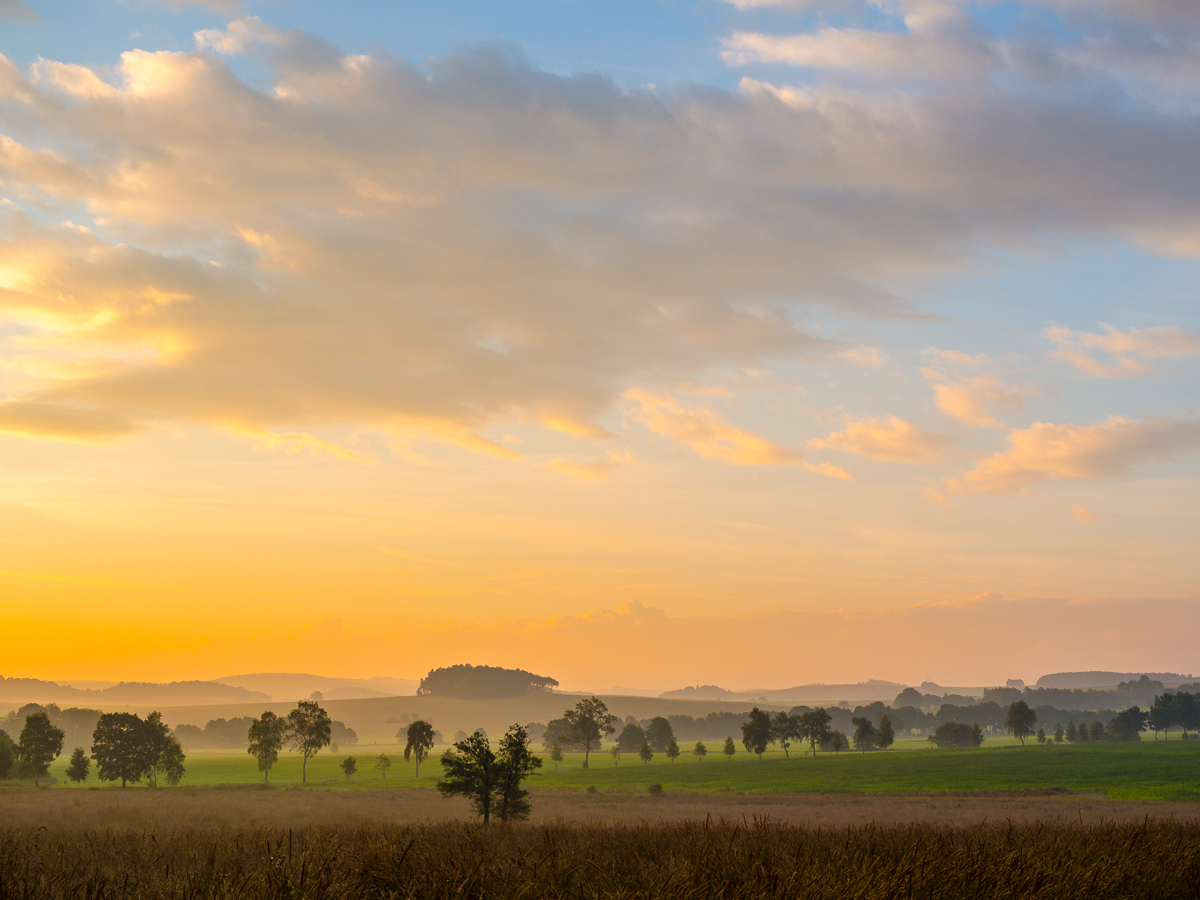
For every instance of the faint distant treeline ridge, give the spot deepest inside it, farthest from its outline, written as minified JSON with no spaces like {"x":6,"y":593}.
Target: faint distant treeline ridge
{"x":137,"y":693}
{"x":231,"y":734}
{"x":467,"y":682}
{"x":1140,"y":692}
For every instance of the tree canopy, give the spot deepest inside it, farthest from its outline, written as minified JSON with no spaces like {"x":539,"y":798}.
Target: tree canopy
{"x":39,"y":745}
{"x":756,"y":732}
{"x":590,"y":722}
{"x":309,"y":730}
{"x":490,"y":781}
{"x":467,"y":682}
{"x":1020,"y":720}
{"x":418,"y":743}
{"x":266,"y":736}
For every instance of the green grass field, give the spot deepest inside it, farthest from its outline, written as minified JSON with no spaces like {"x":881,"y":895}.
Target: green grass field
{"x":1147,"y":771}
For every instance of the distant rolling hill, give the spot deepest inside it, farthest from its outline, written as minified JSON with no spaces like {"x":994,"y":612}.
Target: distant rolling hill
{"x":301,"y":686}
{"x":132,"y":693}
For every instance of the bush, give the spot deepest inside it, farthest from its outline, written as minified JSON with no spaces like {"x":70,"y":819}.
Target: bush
{"x":655,"y":789}
{"x":591,"y":789}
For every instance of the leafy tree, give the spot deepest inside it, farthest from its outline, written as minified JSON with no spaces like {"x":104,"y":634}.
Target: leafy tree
{"x":784,"y":730}
{"x":590,"y":721}
{"x":1096,"y":732}
{"x":8,"y":754}
{"x":976,"y":735}
{"x":1020,"y":720}
{"x":39,"y":745}
{"x":672,"y":749}
{"x":121,"y":748}
{"x":556,"y":756}
{"x":814,"y":726}
{"x":730,"y":747}
{"x":1041,"y":736}
{"x":516,"y":764}
{"x":1081,"y":735}
{"x":349,"y":766}
{"x":756,"y":732}
{"x":865,"y":734}
{"x":78,"y":767}
{"x":382,"y":764}
{"x":700,"y":751}
{"x":835,"y":742}
{"x":1187,"y":711}
{"x":631,"y":738}
{"x":1163,"y":714}
{"x":615,"y":753}
{"x":471,"y":770}
{"x":1058,"y":733}
{"x":418,"y":742}
{"x":887,"y":736}
{"x":266,"y":735}
{"x":956,"y":734}
{"x":309,"y":730}
{"x":659,"y":733}
{"x":1127,"y":725}
{"x":1071,"y":732}
{"x":646,"y":753}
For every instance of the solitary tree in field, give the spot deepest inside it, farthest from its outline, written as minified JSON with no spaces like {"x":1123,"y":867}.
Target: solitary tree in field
{"x":614,"y":752}
{"x":265,"y":736}
{"x":590,"y":721}
{"x":516,"y":764}
{"x":471,"y":771}
{"x":120,"y":748}
{"x":1020,"y":720}
{"x":39,"y":745}
{"x":730,"y":747}
{"x":700,"y":751}
{"x":419,"y":738}
{"x":309,"y":730}
{"x":1041,"y":735}
{"x":646,"y":753}
{"x":756,"y":732}
{"x":349,"y":766}
{"x":887,"y":736}
{"x":77,"y":768}
{"x":814,"y":725}
{"x":865,"y":734}
{"x":556,"y":755}
{"x":672,"y":750}
{"x":382,"y":764}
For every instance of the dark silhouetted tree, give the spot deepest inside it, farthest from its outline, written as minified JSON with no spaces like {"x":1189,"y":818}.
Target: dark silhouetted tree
{"x":1058,"y":733}
{"x":515,"y":764}
{"x":79,"y":766}
{"x":308,"y":731}
{"x":1041,"y":736}
{"x":349,"y":765}
{"x":659,"y":733}
{"x":756,"y":732}
{"x":646,"y":753}
{"x":39,"y":745}
{"x":700,"y":751}
{"x":8,"y":754}
{"x":814,"y":727}
{"x":167,"y":756}
{"x":1096,"y":732}
{"x":121,"y":749}
{"x":265,"y":739}
{"x":471,"y":771}
{"x":1127,"y":725}
{"x":784,"y":730}
{"x":1072,"y":734}
{"x":590,"y":722}
{"x":1020,"y":720}
{"x":468,"y":682}
{"x":887,"y":736}
{"x":672,"y":750}
{"x":631,"y":738}
{"x":865,"y":734}
{"x":730,"y":747}
{"x":418,"y":742}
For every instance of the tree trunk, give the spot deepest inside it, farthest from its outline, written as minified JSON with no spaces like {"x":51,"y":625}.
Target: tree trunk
{"x":304,"y":770}
{"x":587,"y":749}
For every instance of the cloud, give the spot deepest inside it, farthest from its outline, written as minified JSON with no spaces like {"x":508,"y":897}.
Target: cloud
{"x":594,"y":469}
{"x":358,"y":243}
{"x":974,"y":400}
{"x":1082,"y":515}
{"x":1105,"y":450}
{"x":15,"y":9}
{"x":62,"y":421}
{"x":889,"y":440}
{"x":1120,"y":354}
{"x":705,"y":431}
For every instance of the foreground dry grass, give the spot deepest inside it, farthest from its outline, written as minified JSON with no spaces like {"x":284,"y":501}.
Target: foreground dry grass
{"x":140,"y":808}
{"x":760,"y":859}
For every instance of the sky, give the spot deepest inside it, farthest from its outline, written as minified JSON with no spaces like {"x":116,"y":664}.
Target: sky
{"x":747,"y":342}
